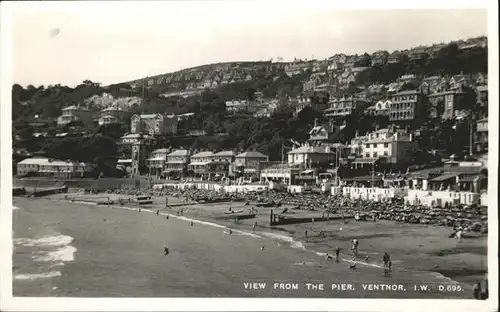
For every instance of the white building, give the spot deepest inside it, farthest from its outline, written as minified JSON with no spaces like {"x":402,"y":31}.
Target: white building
{"x":382,"y":108}
{"x":51,"y":167}
{"x":310,"y":156}
{"x":396,"y":146}
{"x":441,"y":198}
{"x":74,"y":113}
{"x":378,"y":194}
{"x":281,"y":173}
{"x":156,"y":161}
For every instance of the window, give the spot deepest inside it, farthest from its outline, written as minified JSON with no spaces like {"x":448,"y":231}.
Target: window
{"x":386,"y":145}
{"x":367,"y":155}
{"x":386,"y":153}
{"x":375,"y":154}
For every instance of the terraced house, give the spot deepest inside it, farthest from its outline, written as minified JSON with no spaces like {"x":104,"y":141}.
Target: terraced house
{"x":177,"y":163}
{"x":156,"y":161}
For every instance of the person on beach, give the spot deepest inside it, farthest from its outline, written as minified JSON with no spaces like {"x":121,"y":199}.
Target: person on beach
{"x":192,"y":223}
{"x":387,"y":262}
{"x":165,"y":250}
{"x":337,"y":254}
{"x":354,"y":248}
{"x":254,"y":226}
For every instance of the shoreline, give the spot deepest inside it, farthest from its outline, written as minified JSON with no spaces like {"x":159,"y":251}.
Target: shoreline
{"x":290,"y":235}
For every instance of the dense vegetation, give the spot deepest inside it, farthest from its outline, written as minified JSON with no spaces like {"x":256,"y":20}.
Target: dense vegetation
{"x":34,"y":110}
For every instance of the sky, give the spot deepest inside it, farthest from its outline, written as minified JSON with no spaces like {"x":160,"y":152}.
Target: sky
{"x":66,"y":43}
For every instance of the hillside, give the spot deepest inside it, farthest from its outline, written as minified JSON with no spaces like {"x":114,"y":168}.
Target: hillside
{"x":203,"y":90}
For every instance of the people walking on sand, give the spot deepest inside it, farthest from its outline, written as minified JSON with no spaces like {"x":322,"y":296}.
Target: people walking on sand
{"x":305,"y":233}
{"x":192,"y":223}
{"x":157,"y":212}
{"x":254,"y":226}
{"x":165,"y":250}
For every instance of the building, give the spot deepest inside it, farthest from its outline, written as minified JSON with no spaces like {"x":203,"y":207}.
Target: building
{"x":432,"y":84}
{"x":406,"y":106}
{"x":140,"y":145}
{"x":153,"y":124}
{"x":243,"y":106}
{"x":198,"y":166}
{"x":311,"y":156}
{"x":481,"y":135}
{"x":344,"y":106}
{"x":409,"y":79}
{"x":107,"y":120}
{"x":52,"y":168}
{"x":74,"y":113}
{"x":118,"y":112}
{"x":279,"y":173}
{"x":395,"y":57}
{"x":297,"y":68}
{"x":383,"y":108}
{"x":177,"y":163}
{"x":482,"y":100}
{"x":156,"y":161}
{"x":249,"y":164}
{"x":441,"y":198}
{"x":379,"y":58}
{"x":396,"y":146}
{"x":378,"y":194}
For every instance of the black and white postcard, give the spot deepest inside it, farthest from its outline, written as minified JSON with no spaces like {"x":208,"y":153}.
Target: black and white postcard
{"x":249,"y":155}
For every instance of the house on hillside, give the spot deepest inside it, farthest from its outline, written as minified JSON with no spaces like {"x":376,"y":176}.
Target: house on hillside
{"x":379,"y":58}
{"x":395,"y":57}
{"x":153,"y":124}
{"x":74,"y":113}
{"x":406,"y":106}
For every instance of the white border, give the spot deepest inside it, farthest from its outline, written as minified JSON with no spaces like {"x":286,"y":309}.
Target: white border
{"x":8,"y":303}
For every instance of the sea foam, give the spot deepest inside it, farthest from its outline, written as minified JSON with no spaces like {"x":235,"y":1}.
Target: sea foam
{"x":56,"y":240}
{"x":31,"y":277}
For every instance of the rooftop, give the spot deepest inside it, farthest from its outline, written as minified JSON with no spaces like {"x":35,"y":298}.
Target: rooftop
{"x":203,"y":154}
{"x":251,"y":154}
{"x":180,"y":152}
{"x":41,"y":161}
{"x":225,"y":154}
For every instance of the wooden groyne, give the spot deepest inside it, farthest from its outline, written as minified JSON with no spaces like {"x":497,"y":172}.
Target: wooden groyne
{"x":51,"y":191}
{"x":277,"y":219}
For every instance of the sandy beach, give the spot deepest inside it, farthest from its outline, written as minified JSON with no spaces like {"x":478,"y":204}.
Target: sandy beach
{"x":413,"y":246}
{"x":119,"y":253}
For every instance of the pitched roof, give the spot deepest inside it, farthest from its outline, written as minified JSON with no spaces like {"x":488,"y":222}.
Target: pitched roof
{"x":160,"y":150}
{"x":225,"y":153}
{"x":179,"y":152}
{"x":203,"y":154}
{"x":251,"y":154}
{"x":46,"y":162}
{"x":148,"y":116}
{"x":309,"y":150}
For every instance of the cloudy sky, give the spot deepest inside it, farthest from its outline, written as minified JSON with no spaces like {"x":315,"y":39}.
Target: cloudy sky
{"x":67,"y":43}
